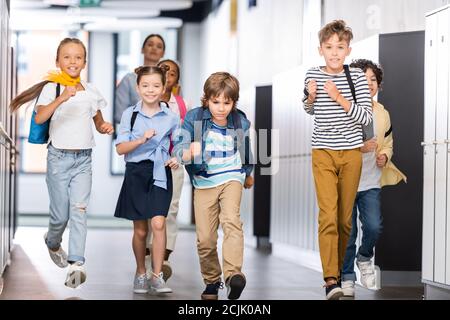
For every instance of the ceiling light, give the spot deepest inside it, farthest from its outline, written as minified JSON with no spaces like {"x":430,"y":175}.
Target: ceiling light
{"x":135,"y":24}
{"x":157,"y":5}
{"x":28,"y":4}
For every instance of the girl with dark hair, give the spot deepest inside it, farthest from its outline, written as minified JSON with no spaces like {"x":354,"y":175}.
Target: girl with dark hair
{"x":144,"y":139}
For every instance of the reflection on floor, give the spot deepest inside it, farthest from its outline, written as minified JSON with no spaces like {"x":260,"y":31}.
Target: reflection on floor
{"x":110,"y":269}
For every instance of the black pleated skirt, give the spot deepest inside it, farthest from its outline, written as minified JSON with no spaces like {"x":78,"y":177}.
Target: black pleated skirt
{"x":139,"y":198}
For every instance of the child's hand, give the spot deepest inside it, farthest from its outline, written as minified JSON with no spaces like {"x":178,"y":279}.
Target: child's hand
{"x":369,"y":146}
{"x":312,"y":90}
{"x":106,"y":127}
{"x":195,"y":149}
{"x":381,"y":160}
{"x":172,"y":163}
{"x":331,"y":89}
{"x":248,"y":183}
{"x":68,"y":92}
{"x":148,"y":135}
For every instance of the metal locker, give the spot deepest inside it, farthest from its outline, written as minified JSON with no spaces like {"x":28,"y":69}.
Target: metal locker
{"x":446,"y":101}
{"x":429,"y":148}
{"x":441,"y":146}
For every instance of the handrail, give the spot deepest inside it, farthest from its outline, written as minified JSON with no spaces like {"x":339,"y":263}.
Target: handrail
{"x":5,"y":135}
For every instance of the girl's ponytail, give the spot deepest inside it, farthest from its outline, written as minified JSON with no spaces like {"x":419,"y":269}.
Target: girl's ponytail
{"x":28,"y":95}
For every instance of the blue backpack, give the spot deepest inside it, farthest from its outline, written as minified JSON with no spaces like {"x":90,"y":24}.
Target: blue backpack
{"x":39,"y":132}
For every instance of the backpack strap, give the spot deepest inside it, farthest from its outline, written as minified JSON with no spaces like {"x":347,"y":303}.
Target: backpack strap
{"x":388,"y":132}
{"x":368,"y":131}
{"x":198,"y":129}
{"x":181,"y":106}
{"x":133,"y":119}
{"x":240,"y":143}
{"x":350,"y":82}
{"x":58,"y":90}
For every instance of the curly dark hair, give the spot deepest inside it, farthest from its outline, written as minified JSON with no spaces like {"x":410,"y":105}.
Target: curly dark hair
{"x":365,"y":64}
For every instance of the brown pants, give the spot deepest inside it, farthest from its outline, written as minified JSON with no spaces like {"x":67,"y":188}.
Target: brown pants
{"x":213,"y":206}
{"x":336,"y":176}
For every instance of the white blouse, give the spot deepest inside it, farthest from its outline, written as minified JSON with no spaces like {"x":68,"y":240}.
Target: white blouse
{"x":71,"y":124}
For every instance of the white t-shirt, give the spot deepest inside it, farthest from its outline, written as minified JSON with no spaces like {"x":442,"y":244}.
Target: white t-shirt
{"x":71,"y":124}
{"x":173,"y":105}
{"x":370,"y":172}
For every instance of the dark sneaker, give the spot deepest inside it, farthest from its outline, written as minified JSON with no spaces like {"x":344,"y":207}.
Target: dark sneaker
{"x":235,"y":284}
{"x":166,"y":270}
{"x":212,"y":291}
{"x":333,"y":292}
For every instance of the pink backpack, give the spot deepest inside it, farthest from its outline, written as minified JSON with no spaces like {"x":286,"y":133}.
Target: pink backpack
{"x":181,"y":106}
{"x":183,"y":110}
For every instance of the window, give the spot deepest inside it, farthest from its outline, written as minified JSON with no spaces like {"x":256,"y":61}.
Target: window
{"x":36,"y":52}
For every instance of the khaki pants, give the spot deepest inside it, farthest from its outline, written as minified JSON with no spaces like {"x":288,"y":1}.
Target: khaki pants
{"x":213,"y":206}
{"x":336,"y":176}
{"x":171,"y":219}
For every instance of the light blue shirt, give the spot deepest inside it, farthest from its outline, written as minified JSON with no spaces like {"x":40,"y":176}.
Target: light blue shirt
{"x":155,"y":149}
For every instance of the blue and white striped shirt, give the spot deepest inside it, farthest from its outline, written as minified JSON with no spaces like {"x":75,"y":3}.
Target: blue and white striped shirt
{"x":223,"y":163}
{"x":333,"y":127}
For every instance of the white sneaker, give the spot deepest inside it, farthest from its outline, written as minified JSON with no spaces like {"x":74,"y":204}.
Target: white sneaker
{"x":348,"y":289}
{"x":140,"y":283}
{"x":59,"y":257}
{"x":367,"y":270}
{"x":76,"y":275}
{"x":158,"y":285}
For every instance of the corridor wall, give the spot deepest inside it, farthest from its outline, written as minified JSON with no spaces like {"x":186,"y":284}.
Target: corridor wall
{"x":7,"y":142}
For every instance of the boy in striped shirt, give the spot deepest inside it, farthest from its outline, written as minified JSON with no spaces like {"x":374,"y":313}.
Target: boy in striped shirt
{"x":214,"y":144}
{"x":336,"y":141}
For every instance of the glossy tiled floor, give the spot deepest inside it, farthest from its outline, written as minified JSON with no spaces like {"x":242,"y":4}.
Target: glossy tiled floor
{"x":110,"y":266}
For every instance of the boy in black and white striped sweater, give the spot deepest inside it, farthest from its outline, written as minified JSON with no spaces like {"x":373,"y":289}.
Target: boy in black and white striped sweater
{"x":336,"y":141}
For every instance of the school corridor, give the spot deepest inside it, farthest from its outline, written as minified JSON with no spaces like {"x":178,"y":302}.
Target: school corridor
{"x":110,"y":269}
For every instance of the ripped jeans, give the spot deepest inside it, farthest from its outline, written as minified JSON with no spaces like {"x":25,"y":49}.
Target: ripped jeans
{"x":69,"y":180}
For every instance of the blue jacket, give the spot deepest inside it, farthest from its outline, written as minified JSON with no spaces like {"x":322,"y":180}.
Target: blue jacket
{"x":186,"y":136}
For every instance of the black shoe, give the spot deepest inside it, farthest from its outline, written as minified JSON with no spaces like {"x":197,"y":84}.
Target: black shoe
{"x":333,"y":292}
{"x":235,"y":284}
{"x":212,"y":291}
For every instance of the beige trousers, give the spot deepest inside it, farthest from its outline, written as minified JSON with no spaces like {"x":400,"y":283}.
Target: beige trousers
{"x":214,"y":206}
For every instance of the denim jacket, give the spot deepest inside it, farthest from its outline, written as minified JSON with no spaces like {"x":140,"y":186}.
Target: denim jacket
{"x":186,"y":136}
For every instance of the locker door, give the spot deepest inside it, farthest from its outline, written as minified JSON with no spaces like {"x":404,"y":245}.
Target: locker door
{"x":429,"y":149}
{"x":446,"y":34}
{"x":441,"y":147}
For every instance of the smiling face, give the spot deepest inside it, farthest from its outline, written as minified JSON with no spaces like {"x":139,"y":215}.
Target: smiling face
{"x":372,"y":81}
{"x":71,"y":59}
{"x":153,"y":50}
{"x":334,"y":51}
{"x":220,"y":107}
{"x":150,"y":88}
{"x":172,"y":75}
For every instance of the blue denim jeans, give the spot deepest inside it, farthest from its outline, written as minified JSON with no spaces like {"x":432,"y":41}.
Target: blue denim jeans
{"x":369,"y":206}
{"x":69,"y":179}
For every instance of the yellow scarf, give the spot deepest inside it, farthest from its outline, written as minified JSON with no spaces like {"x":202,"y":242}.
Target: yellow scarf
{"x":62,"y":78}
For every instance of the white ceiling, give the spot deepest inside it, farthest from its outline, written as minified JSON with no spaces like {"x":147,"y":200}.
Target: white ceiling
{"x":111,"y":15}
